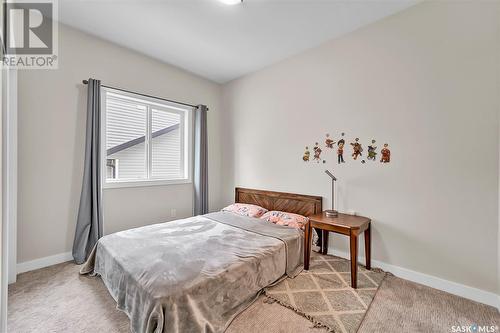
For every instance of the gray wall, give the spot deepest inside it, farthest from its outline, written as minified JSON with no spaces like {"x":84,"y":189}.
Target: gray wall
{"x":51,"y":142}
{"x":425,"y":81}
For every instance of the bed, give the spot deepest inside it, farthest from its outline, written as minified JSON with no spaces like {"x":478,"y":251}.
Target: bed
{"x":197,"y":274}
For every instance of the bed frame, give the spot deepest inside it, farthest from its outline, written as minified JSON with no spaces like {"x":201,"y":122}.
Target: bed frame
{"x":288,"y":202}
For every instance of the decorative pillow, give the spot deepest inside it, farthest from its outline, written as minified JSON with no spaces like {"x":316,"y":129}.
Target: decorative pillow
{"x":245,"y":209}
{"x":286,"y":219}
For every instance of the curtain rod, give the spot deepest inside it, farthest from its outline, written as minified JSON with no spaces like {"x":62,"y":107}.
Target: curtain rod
{"x":145,"y":95}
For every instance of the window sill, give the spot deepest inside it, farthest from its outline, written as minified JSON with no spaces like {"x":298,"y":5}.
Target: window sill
{"x":145,"y":183}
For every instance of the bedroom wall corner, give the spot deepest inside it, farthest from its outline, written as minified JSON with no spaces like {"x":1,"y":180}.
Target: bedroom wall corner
{"x":424,"y":80}
{"x":51,"y":144}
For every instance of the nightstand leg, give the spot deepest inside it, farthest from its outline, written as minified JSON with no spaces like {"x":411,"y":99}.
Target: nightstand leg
{"x":307,"y":246}
{"x":354,"y":260}
{"x":324,"y":244}
{"x":368,"y":250}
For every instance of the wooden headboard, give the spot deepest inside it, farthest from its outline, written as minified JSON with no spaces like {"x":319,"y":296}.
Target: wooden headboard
{"x":288,"y":202}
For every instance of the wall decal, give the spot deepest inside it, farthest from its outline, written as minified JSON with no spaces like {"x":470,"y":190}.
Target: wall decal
{"x":307,"y":153}
{"x":317,"y":152}
{"x":372,"y":154}
{"x":329,"y":142}
{"x":356,"y":148}
{"x":340,"y":151}
{"x":386,"y":154}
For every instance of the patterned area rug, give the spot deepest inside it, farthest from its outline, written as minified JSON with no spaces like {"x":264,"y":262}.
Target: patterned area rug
{"x":324,"y":294}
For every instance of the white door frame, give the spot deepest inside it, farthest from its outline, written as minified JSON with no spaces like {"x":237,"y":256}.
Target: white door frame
{"x":8,"y":180}
{"x":9,"y":170}
{"x":9,"y":188}
{"x":3,"y":256}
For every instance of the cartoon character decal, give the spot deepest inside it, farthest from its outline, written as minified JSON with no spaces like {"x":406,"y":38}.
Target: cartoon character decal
{"x":340,"y":151}
{"x":386,"y":154}
{"x":307,"y":153}
{"x":372,"y":154}
{"x":356,"y":149}
{"x":317,"y":153}
{"x":329,"y":142}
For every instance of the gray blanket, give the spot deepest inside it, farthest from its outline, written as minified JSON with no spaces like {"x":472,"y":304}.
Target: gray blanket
{"x":195,"y":274}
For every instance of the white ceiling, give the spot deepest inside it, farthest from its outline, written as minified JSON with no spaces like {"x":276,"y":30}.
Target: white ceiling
{"x":222,"y":42}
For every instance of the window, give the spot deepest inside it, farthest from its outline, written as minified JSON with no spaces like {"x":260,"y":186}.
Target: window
{"x":146,"y":141}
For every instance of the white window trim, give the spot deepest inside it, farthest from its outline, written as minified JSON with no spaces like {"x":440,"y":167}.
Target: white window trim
{"x":187,"y":139}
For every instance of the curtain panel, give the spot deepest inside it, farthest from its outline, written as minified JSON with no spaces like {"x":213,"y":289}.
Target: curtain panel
{"x":89,"y":222}
{"x":200,"y":177}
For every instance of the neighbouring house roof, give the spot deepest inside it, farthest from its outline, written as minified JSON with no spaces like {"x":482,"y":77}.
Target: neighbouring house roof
{"x":141,"y":139}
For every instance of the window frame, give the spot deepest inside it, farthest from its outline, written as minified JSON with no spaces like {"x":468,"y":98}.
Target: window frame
{"x":186,"y":141}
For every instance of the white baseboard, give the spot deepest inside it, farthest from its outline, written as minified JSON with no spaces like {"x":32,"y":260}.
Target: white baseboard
{"x":43,"y":262}
{"x":451,"y":287}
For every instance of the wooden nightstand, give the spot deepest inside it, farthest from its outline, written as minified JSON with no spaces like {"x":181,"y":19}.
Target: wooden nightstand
{"x":344,"y":224}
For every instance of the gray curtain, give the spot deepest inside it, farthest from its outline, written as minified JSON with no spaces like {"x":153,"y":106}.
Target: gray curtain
{"x":89,"y":223}
{"x":200,"y":178}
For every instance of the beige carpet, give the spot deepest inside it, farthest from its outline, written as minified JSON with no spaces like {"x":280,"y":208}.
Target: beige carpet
{"x":404,"y":306}
{"x":57,"y":299}
{"x":324,"y":294}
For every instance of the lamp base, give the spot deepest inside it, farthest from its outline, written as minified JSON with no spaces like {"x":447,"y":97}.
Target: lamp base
{"x":331,"y":213}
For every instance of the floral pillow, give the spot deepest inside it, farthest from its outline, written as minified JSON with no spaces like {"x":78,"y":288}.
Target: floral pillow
{"x":245,"y":209}
{"x":286,"y":219}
